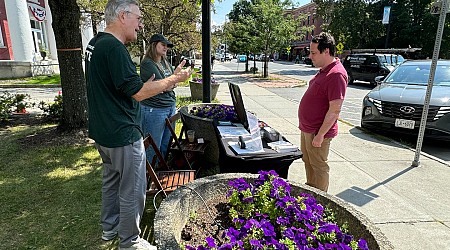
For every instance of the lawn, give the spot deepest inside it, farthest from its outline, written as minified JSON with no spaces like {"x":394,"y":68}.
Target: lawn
{"x":50,"y":188}
{"x":42,"y":80}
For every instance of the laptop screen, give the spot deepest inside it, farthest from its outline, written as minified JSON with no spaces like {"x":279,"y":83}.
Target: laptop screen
{"x":238,"y":104}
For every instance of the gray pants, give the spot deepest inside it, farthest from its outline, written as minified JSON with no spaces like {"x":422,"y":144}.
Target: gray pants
{"x":123,"y":190}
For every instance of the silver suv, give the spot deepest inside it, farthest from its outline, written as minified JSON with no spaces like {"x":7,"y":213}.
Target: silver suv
{"x":396,"y":104}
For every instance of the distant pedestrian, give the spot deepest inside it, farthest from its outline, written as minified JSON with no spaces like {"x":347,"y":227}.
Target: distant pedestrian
{"x":212,"y":61}
{"x":319,"y":110}
{"x":297,"y":59}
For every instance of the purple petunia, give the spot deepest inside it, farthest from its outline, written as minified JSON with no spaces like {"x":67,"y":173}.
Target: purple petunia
{"x":219,"y":112}
{"x":266,"y":216}
{"x":210,"y":242}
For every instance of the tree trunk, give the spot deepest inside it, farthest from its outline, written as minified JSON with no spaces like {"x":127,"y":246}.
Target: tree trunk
{"x":266,"y":67}
{"x":66,"y":26}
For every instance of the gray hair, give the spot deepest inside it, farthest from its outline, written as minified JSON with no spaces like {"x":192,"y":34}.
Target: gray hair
{"x":114,"y":7}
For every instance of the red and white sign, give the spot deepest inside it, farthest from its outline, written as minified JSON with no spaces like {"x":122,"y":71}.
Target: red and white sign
{"x":37,"y":9}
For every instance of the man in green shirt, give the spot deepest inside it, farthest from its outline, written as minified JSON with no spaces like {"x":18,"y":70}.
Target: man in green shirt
{"x":114,"y":90}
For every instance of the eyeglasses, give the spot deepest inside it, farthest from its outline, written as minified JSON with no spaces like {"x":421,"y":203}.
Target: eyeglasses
{"x":139,"y":17}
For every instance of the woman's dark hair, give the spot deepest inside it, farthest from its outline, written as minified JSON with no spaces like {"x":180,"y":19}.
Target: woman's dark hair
{"x":325,"y":40}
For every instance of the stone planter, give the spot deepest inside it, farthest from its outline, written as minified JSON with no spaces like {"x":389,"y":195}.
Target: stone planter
{"x":175,"y":210}
{"x":197,"y":90}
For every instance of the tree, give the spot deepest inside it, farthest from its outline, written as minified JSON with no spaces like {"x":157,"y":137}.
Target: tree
{"x":94,"y":8}
{"x":275,"y":29}
{"x":261,"y":26}
{"x":175,"y":19}
{"x":411,"y":24}
{"x":66,"y":26}
{"x":241,"y":30}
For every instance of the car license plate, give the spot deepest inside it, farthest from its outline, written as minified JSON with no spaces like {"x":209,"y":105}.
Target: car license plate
{"x":402,"y":123}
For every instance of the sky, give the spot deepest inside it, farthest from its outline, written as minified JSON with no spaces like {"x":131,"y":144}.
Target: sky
{"x":224,"y":7}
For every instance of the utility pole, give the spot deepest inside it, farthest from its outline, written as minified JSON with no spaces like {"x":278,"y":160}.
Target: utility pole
{"x":386,"y":17}
{"x":206,"y":50}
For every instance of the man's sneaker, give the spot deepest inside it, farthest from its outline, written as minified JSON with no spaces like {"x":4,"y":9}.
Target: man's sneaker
{"x":109,"y":235}
{"x":140,"y":245}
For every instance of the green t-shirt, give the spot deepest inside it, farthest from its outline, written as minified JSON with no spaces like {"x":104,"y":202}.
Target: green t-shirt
{"x":161,"y":100}
{"x":114,"y":116}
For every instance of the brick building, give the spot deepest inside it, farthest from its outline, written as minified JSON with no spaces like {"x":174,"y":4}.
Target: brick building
{"x":297,"y":47}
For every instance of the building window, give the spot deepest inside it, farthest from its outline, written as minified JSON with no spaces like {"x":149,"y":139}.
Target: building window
{"x":2,"y":44}
{"x":38,"y":30}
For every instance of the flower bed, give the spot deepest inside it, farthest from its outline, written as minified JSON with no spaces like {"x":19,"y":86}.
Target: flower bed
{"x":219,"y":112}
{"x":178,"y":207}
{"x":265,"y":214}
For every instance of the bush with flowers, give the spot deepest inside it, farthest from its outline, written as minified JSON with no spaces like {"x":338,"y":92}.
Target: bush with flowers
{"x":266,"y":216}
{"x":219,"y":112}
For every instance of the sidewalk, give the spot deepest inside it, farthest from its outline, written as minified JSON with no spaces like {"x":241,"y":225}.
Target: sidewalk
{"x":410,"y":205}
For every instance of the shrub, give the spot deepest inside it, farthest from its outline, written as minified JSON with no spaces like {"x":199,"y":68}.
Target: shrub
{"x":54,"y":109}
{"x":13,"y":103}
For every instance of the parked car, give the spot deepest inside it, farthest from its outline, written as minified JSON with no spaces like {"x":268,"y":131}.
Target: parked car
{"x":241,"y":58}
{"x":396,"y":105}
{"x":308,"y":61}
{"x":367,"y":66}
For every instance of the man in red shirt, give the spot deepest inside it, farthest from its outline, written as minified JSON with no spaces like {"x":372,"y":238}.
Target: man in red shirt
{"x":319,"y":110}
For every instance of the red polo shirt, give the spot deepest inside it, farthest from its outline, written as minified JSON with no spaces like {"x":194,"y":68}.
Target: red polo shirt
{"x":329,"y":84}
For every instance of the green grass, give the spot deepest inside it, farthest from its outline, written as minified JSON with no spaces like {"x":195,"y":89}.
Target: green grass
{"x":51,"y":195}
{"x":54,"y":79}
{"x":44,"y":80}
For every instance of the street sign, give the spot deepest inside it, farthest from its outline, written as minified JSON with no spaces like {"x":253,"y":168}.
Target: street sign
{"x":288,"y":49}
{"x":436,"y":7}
